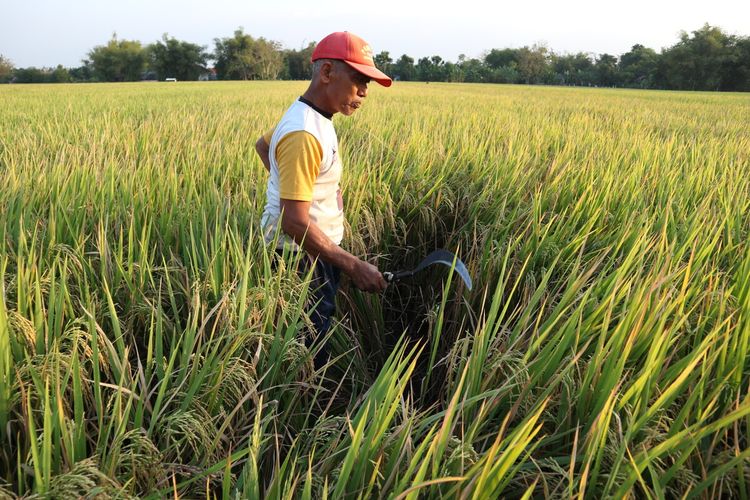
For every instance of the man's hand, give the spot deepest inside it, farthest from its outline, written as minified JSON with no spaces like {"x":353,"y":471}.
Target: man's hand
{"x":367,"y":277}
{"x":295,"y":221}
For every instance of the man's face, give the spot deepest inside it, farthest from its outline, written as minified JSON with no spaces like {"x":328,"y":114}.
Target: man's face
{"x":347,"y":89}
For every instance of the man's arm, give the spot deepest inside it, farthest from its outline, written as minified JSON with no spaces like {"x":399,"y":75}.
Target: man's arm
{"x":263,"y":148}
{"x":295,"y":221}
{"x":295,"y":218}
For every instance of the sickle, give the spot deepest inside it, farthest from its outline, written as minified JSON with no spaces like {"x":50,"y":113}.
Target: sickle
{"x":437,"y":257}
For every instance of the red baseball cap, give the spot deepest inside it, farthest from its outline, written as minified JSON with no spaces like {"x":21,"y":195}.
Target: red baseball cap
{"x":354,"y":51}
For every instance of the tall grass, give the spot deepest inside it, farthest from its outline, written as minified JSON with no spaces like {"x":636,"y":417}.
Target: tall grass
{"x":151,"y":345}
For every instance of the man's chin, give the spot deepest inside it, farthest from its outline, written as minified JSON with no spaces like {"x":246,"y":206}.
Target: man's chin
{"x":349,"y":110}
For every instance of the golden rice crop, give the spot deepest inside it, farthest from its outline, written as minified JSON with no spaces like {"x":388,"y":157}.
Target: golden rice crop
{"x":149,"y":346}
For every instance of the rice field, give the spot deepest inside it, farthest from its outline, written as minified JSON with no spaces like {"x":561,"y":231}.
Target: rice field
{"x":151,"y":346}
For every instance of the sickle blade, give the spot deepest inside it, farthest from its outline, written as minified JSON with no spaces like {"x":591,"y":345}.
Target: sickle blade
{"x":446,"y":258}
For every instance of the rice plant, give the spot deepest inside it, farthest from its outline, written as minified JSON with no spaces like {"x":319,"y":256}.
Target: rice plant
{"x":151,"y":345}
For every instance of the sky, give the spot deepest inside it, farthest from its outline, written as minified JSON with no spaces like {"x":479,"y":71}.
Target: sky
{"x":45,"y":33}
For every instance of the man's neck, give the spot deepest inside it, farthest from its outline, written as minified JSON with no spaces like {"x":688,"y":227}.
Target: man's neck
{"x":318,"y":102}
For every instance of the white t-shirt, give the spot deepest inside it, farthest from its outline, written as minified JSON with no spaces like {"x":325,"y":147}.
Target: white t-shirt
{"x":326,"y":208}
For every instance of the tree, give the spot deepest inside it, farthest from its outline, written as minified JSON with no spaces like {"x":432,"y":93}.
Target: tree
{"x":41,"y":75}
{"x":583,"y":67}
{"x":243,"y":57}
{"x":473,"y":70}
{"x":505,"y":74}
{"x":31,"y":75}
{"x":424,"y":69}
{"x":736,"y":68}
{"x":84,"y":73}
{"x":6,"y":69}
{"x":431,"y":69}
{"x":501,"y":58}
{"x":501,"y":66}
{"x":704,"y":59}
{"x":404,"y":69}
{"x":172,"y":58}
{"x":297,"y":63}
{"x":696,"y":62}
{"x":384,"y":62}
{"x":268,"y":58}
{"x":573,"y":69}
{"x":533,"y":64}
{"x":453,"y":72}
{"x":606,"y":70}
{"x":638,"y":67}
{"x":563,"y":68}
{"x":60,"y":75}
{"x":118,"y":61}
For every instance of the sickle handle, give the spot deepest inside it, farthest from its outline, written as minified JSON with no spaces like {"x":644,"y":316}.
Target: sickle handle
{"x":391,"y":277}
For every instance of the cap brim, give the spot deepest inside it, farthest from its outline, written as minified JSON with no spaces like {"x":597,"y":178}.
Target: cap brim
{"x":372,"y":72}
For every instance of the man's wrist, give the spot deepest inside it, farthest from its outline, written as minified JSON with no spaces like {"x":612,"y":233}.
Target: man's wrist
{"x":349,"y":263}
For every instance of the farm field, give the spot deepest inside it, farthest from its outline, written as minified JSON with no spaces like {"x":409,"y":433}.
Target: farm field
{"x":151,"y":346}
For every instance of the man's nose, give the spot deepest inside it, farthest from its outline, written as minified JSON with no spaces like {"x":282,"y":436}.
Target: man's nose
{"x":362,"y":90}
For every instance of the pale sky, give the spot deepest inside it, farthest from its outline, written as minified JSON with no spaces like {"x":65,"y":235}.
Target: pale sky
{"x":50,"y":32}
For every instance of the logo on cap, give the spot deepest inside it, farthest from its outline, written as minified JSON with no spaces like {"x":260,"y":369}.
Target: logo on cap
{"x":367,"y":52}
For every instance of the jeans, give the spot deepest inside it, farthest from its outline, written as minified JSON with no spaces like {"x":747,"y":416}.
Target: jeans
{"x":323,"y":288}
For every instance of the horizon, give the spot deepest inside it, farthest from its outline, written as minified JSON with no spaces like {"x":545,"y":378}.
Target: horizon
{"x":74,"y":28}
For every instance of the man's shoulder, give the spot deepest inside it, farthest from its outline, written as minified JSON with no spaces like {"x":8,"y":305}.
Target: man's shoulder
{"x":298,"y":114}
{"x":301,"y":117}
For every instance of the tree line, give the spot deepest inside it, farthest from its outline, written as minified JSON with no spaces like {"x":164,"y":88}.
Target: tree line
{"x":705,"y":59}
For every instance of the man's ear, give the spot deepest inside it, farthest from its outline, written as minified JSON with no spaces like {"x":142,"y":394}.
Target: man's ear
{"x":326,"y":69}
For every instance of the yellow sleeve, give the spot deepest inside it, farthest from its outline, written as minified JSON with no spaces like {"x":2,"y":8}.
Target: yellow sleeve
{"x":267,"y":136}
{"x":298,"y":155}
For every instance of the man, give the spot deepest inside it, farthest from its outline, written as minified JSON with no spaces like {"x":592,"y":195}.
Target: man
{"x":301,"y":155}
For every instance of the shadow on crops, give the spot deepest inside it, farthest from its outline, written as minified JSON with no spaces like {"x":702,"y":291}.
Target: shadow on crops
{"x":412,"y":308}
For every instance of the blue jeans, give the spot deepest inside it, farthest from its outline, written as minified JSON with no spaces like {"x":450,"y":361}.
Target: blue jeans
{"x":325,"y":283}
